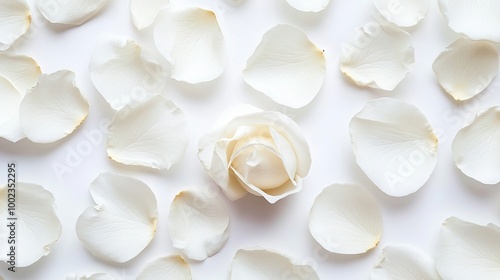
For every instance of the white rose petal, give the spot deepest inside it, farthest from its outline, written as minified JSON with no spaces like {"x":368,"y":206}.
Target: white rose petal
{"x":192,"y":41}
{"x":263,"y":153}
{"x":18,"y":73}
{"x":95,"y":276}
{"x":198,"y":223}
{"x":309,"y":5}
{"x":394,"y":145}
{"x":404,"y":262}
{"x":403,"y":13}
{"x":378,"y":57}
{"x":476,"y":19}
{"x":466,"y":68}
{"x":144,"y":12}
{"x":475,"y":147}
{"x":10,"y":124}
{"x":74,"y":12}
{"x":262,"y":264}
{"x":123,"y":221}
{"x":468,"y":251}
{"x":37,"y":225}
{"x":15,"y":20}
{"x":122,"y":71}
{"x":154,"y":134}
{"x":53,"y":109}
{"x":166,"y":268}
{"x":286,"y":66}
{"x":346,"y":219}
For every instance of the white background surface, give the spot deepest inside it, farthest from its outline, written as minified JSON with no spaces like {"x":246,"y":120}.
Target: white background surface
{"x":413,"y":220}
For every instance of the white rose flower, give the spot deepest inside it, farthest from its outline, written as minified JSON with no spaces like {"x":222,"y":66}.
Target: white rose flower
{"x":259,"y":152}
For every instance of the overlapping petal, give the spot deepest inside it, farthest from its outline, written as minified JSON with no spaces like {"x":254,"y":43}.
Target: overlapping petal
{"x":192,"y":41}
{"x":166,"y":268}
{"x":74,"y":12}
{"x":286,"y":66}
{"x":466,"y":68}
{"x":404,"y":262}
{"x":346,"y":219}
{"x":262,"y":264}
{"x":403,"y":13}
{"x":468,"y":251}
{"x":153,"y":133}
{"x":53,"y":109}
{"x":198,"y":223}
{"x":123,"y":221}
{"x":378,"y":56}
{"x":394,"y":144}
{"x":475,"y":147}
{"x":37,"y":224}
{"x":144,"y":12}
{"x":122,"y":71}
{"x":476,"y":19}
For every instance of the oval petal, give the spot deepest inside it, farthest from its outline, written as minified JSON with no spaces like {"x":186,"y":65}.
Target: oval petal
{"x":475,"y":147}
{"x":144,"y":12}
{"x":74,"y":12}
{"x":10,"y":124}
{"x":262,"y":264}
{"x":403,"y":13}
{"x":166,"y":268}
{"x":53,"y":109}
{"x":378,"y":57}
{"x":122,"y":71}
{"x":286,"y":66}
{"x":466,"y":68}
{"x":154,"y":134}
{"x":468,"y":251}
{"x":404,"y":262}
{"x":346,"y":219}
{"x":15,"y":20}
{"x":37,"y":223}
{"x":309,"y":5}
{"x":476,"y":19}
{"x":192,"y":41}
{"x":123,"y":221}
{"x":394,"y":144}
{"x":198,"y":223}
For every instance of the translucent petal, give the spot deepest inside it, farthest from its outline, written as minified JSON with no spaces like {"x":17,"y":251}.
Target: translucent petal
{"x":95,"y":276}
{"x":166,"y":268}
{"x":468,"y":251}
{"x":378,"y":57}
{"x":394,"y":144}
{"x":10,"y":124}
{"x":403,"y":13}
{"x":476,"y":147}
{"x":15,"y":20}
{"x":37,"y":224}
{"x":309,"y":5}
{"x":346,"y":219}
{"x":286,"y":66}
{"x":404,"y":262}
{"x":154,"y":134}
{"x":74,"y":12}
{"x":122,"y":71}
{"x":123,"y":221}
{"x":476,"y":19}
{"x":466,"y":68}
{"x":53,"y":109}
{"x":262,"y":264}
{"x":144,"y":12}
{"x":191,"y":39}
{"x":198,"y":223}
{"x":22,"y":71}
